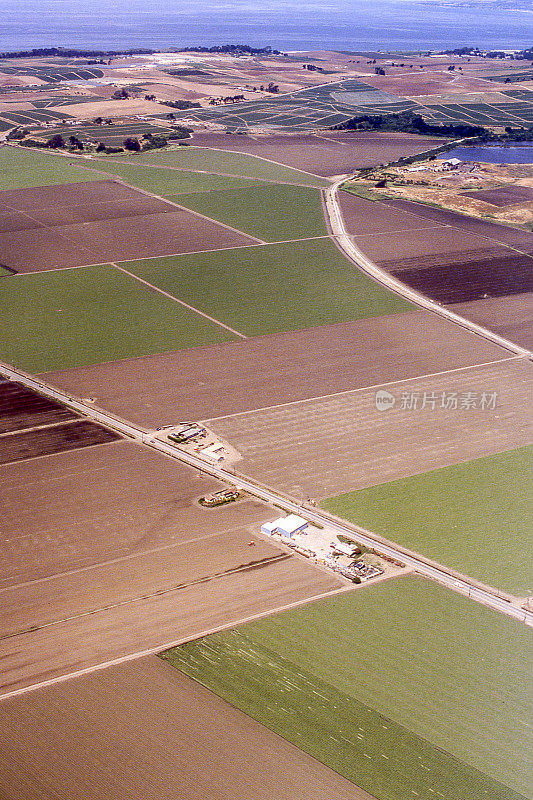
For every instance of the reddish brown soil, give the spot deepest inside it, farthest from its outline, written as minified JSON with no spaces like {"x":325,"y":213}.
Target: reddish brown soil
{"x":21,"y":408}
{"x":518,"y":239}
{"x":510,"y":317}
{"x":366,"y":216}
{"x":337,"y":444}
{"x":419,"y":244}
{"x":326,"y":153}
{"x":267,"y":370}
{"x":53,"y":439}
{"x":503,"y":195}
{"x":106,"y":552}
{"x":463,"y":281}
{"x":144,"y":731}
{"x":75,"y":224}
{"x":66,"y":195}
{"x":447,"y":256}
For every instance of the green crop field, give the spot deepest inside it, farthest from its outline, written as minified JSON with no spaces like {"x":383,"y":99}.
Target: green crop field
{"x":225,"y":162}
{"x":270,"y":212}
{"x":169,"y":182}
{"x":405,"y":688}
{"x":272,"y":288}
{"x":68,"y":318}
{"x":475,"y":517}
{"x":20,"y":169}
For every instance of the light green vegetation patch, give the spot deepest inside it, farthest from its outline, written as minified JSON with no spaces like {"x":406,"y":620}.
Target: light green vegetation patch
{"x":226,"y":162}
{"x":272,"y":288}
{"x":475,"y":517}
{"x":20,"y":169}
{"x":69,"y":318}
{"x":169,"y":182}
{"x":270,"y":212}
{"x":404,"y":688}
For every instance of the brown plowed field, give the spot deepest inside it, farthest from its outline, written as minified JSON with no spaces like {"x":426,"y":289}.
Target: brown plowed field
{"x":326,"y":153}
{"x":144,"y":731}
{"x":510,"y":317}
{"x":366,"y":216}
{"x":106,"y":552}
{"x":53,"y":439}
{"x":286,"y":367}
{"x":446,"y":256}
{"x":503,"y":195}
{"x":519,"y":239}
{"x":327,"y":446}
{"x":468,"y":280}
{"x":21,"y":408}
{"x":75,"y":224}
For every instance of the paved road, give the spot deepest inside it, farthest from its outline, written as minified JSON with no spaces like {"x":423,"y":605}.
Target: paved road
{"x":345,"y":243}
{"x":461,"y":584}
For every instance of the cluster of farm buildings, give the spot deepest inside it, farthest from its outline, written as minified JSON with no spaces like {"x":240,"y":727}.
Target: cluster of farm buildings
{"x":318,"y":545}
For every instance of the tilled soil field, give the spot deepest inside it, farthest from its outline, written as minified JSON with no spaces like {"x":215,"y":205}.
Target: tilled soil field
{"x":52,"y":439}
{"x":469,"y":280}
{"x":503,"y":195}
{"x":267,"y":370}
{"x":510,"y":317}
{"x":324,"y":153}
{"x":107,"y":553}
{"x":108,"y":737}
{"x":21,"y":408}
{"x":74,"y":224}
{"x":518,"y":239}
{"x":446,"y":256}
{"x":331,"y":445}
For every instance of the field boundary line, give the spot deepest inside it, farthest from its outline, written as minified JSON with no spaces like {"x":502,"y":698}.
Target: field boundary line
{"x":357,"y":257}
{"x":111,"y":561}
{"x":181,"y":302}
{"x":455,"y":227}
{"x":190,"y":211}
{"x":210,"y":172}
{"x":170,"y":255}
{"x":364,"y":388}
{"x":267,"y":160}
{"x":152,"y":651}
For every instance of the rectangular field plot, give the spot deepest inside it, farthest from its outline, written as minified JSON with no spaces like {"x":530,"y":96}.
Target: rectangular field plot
{"x":268,"y":211}
{"x":272,"y":288}
{"x":106,"y":552}
{"x":327,"y":153}
{"x":169,"y":182}
{"x":341,"y":442}
{"x":68,"y":318}
{"x":227,"y":163}
{"x":474,"y":517}
{"x":177,"y":734}
{"x":20,"y":168}
{"x":74,"y":224}
{"x":22,"y":408}
{"x":52,"y":439}
{"x":403,"y":688}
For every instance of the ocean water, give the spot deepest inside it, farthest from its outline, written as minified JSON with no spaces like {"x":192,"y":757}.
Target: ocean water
{"x":283,"y":24}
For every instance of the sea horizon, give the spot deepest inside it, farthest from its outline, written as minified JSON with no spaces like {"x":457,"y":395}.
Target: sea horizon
{"x":394,"y":26}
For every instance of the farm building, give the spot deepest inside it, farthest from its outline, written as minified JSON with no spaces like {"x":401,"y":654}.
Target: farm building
{"x":285,"y":526}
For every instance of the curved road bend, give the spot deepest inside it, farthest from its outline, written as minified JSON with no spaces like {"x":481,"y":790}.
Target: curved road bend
{"x":356,"y":256}
{"x":440,"y":574}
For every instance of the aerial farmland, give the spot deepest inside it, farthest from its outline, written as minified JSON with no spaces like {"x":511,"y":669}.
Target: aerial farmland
{"x":370,"y":376}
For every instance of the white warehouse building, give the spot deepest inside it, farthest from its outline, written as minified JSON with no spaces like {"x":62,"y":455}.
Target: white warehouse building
{"x":285,"y":526}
